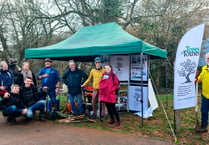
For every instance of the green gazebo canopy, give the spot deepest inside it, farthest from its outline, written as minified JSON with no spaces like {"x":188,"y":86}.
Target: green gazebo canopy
{"x":91,"y":41}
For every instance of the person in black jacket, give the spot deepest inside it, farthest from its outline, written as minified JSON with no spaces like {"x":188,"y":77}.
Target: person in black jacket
{"x":12,"y":105}
{"x":30,"y":99}
{"x":73,"y":78}
{"x":16,"y":71}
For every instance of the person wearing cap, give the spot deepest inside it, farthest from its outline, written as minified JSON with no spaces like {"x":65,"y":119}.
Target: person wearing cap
{"x":95,"y":76}
{"x":50,"y":80}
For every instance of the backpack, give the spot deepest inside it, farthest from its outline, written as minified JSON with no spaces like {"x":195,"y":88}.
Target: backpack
{"x":117,"y":90}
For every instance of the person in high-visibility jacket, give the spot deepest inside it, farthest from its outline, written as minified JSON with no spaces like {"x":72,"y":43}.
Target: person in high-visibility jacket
{"x":204,"y":78}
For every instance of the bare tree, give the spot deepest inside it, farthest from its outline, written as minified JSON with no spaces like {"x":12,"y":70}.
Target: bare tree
{"x":23,"y":26}
{"x":3,"y":30}
{"x":33,"y":23}
{"x":162,"y":23}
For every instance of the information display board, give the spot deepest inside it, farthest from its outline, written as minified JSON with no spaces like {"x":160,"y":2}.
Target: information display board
{"x":138,"y":68}
{"x":135,"y":97}
{"x":120,"y":64}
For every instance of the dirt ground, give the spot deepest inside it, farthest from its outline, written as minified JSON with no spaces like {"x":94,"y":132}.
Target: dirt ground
{"x":34,"y":132}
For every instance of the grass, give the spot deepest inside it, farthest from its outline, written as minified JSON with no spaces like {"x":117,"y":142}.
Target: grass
{"x":157,"y":126}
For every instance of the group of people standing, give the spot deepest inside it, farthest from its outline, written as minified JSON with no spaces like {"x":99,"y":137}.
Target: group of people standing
{"x":20,"y":96}
{"x":104,"y":82}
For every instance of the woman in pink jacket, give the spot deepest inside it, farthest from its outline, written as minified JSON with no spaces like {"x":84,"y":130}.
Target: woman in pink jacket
{"x":107,"y":92}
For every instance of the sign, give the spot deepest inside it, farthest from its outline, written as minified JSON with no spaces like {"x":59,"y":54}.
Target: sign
{"x":120,"y":64}
{"x":187,"y":57}
{"x":138,"y":68}
{"x":135,"y":97}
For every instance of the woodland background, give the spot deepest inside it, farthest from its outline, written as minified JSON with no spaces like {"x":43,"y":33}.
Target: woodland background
{"x":35,"y":23}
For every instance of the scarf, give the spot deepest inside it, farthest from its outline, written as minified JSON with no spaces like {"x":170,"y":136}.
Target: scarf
{"x":27,"y":74}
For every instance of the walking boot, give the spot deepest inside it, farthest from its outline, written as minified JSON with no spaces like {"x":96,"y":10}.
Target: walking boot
{"x":117,"y":124}
{"x":13,"y":121}
{"x":53,"y":107}
{"x":202,"y":129}
{"x":102,"y":118}
{"x":9,"y":119}
{"x":52,"y":114}
{"x":42,"y":117}
{"x":111,"y":122}
{"x":93,"y":116}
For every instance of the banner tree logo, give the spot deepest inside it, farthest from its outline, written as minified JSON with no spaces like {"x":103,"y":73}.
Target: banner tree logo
{"x":188,"y":68}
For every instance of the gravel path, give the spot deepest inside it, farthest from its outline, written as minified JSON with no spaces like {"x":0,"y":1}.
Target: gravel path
{"x":51,"y":133}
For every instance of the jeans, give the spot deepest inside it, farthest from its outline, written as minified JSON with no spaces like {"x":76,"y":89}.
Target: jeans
{"x":50,"y":92}
{"x":40,"y":105}
{"x":204,"y":111}
{"x":12,"y":111}
{"x":71,"y":99}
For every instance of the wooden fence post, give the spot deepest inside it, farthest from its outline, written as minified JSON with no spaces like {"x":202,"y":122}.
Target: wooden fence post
{"x":177,"y":121}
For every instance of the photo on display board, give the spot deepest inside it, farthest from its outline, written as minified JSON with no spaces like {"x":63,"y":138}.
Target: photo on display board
{"x":139,"y":69}
{"x":120,"y":64}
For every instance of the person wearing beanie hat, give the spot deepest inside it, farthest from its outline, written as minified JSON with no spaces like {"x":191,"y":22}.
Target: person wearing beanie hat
{"x":95,"y":76}
{"x":50,"y":80}
{"x":97,"y":59}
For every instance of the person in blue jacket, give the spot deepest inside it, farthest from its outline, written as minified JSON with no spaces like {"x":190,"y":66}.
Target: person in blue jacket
{"x":73,"y":78}
{"x":50,"y":81}
{"x":6,"y":78}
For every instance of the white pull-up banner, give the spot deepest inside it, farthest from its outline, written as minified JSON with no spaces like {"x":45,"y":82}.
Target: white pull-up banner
{"x":187,"y":57}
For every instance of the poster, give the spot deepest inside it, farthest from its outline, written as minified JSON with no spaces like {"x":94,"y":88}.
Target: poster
{"x":120,"y":64}
{"x":105,"y":59}
{"x":134,"y":98}
{"x":187,"y":57}
{"x":137,"y":68}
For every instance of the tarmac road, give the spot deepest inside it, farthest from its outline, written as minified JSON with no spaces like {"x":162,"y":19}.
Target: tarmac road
{"x":50,"y":133}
